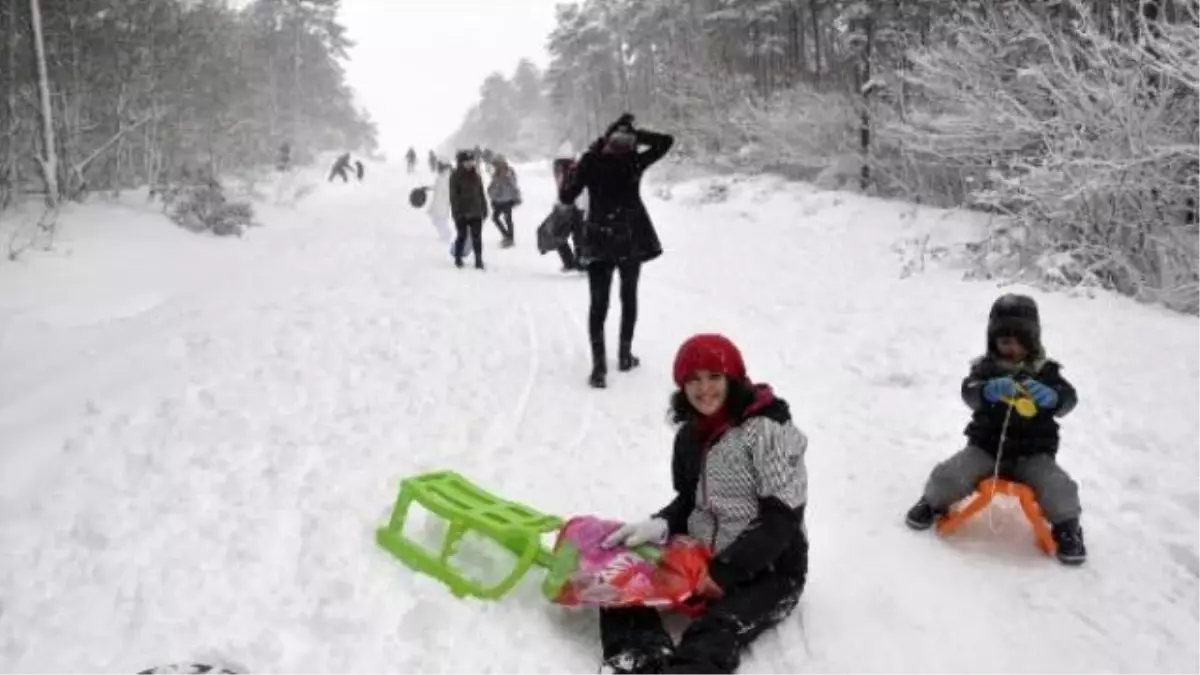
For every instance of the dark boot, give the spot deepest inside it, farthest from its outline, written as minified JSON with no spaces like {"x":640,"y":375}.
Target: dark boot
{"x":598,"y":378}
{"x":651,"y":660}
{"x":458,"y":263}
{"x":626,"y":361}
{"x":1069,"y":537}
{"x":922,"y":516}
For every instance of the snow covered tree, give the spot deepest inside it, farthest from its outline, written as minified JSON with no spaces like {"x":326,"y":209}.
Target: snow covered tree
{"x":141,"y":89}
{"x":1077,"y":117}
{"x":49,"y":155}
{"x":512,"y":116}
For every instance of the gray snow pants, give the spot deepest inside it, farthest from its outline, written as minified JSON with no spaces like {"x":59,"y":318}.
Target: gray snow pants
{"x":955,"y":479}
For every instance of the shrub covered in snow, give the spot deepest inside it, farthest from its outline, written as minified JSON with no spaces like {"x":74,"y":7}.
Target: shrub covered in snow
{"x":806,"y":134}
{"x":1086,"y":138}
{"x":203,"y":207}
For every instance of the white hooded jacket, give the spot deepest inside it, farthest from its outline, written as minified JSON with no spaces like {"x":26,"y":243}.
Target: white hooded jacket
{"x":439,"y":201}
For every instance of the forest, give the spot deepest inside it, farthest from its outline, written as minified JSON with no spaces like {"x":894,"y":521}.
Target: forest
{"x":1075,"y":120}
{"x":105,"y":95}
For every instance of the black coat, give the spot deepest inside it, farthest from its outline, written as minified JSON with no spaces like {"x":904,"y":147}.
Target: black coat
{"x":468,"y":201}
{"x":618,"y":228}
{"x":1025,"y":436}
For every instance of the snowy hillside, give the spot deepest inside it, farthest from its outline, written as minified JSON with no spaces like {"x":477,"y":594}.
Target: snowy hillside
{"x":198,"y":438}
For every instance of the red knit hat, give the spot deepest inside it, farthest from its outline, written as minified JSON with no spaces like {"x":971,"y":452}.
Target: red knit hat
{"x":711,"y":352}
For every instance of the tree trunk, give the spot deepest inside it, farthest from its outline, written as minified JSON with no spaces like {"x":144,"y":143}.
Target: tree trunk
{"x":816,"y":28}
{"x":49,"y":158}
{"x":296,"y":102}
{"x":10,"y":175}
{"x":865,"y":87}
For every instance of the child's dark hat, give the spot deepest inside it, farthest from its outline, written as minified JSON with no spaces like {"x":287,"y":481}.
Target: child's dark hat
{"x":1014,"y":315}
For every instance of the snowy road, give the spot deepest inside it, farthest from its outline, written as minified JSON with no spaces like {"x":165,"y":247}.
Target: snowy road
{"x":194,"y":454}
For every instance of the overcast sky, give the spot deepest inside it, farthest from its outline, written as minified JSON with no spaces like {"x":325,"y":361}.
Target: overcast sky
{"x":418,"y":64}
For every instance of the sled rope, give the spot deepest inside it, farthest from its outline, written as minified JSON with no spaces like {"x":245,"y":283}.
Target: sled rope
{"x":996,"y":469}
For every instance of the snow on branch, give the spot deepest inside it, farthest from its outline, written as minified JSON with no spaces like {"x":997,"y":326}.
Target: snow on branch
{"x":1090,"y":142}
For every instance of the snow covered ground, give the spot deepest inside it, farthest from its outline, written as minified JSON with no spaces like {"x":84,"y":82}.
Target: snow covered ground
{"x":198,"y":438}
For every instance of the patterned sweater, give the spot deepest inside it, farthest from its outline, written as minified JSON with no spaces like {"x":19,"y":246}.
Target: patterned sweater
{"x":745,"y":494}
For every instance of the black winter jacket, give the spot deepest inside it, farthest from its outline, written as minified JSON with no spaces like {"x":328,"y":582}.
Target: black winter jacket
{"x":468,"y":201}
{"x":1025,"y":436}
{"x":774,"y":541}
{"x":618,"y":228}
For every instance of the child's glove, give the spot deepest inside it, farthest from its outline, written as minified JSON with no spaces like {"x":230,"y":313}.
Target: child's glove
{"x":999,"y":388}
{"x":631,"y":535}
{"x":1043,"y":395}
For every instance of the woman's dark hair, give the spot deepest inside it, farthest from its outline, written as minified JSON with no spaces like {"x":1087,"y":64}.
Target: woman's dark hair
{"x":739,"y":396}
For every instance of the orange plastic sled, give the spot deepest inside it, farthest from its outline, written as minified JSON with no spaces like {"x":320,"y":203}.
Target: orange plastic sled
{"x":988,"y":489}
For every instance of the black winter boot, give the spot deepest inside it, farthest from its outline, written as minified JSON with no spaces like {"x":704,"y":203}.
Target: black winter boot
{"x":597,"y":380}
{"x":626,"y":361}
{"x":922,"y":516}
{"x":650,"y":660}
{"x":1069,"y":537}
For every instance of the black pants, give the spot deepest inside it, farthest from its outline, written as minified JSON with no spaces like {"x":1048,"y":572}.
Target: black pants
{"x":568,"y":256}
{"x":475,"y":227}
{"x":503,"y":210}
{"x":600,"y":277}
{"x":713,"y":642}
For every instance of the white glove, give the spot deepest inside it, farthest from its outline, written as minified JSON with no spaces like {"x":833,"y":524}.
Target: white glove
{"x":630,"y":535}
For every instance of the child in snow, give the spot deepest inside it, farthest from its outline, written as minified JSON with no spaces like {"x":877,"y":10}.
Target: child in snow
{"x":741,"y":487}
{"x":505,"y":195}
{"x":439,"y":203}
{"x":562,"y":168}
{"x":1014,"y":357}
{"x":340,"y":168}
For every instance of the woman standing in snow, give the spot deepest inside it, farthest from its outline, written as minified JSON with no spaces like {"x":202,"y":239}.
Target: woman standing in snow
{"x":439,"y":203}
{"x":617,"y":235}
{"x":736,"y":441}
{"x":505,"y":195}
{"x":468,"y":207}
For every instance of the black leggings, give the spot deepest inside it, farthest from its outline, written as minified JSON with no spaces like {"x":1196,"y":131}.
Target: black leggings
{"x":475,"y":227}
{"x":567,"y":255}
{"x":503,"y":210}
{"x":600,"y":277}
{"x":714,"y":642}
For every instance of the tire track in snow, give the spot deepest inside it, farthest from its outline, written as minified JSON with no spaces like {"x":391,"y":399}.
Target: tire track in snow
{"x":589,"y":409}
{"x":500,"y":443}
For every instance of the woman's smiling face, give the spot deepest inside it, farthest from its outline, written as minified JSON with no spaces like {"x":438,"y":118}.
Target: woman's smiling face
{"x":706,"y":391}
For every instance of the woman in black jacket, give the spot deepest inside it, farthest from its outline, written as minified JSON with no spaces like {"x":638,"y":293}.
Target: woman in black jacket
{"x":468,"y":207}
{"x":618,"y":235}
{"x":736,"y":442}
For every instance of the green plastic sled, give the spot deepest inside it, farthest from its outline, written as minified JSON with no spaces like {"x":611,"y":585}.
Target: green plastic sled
{"x":467,"y":508}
